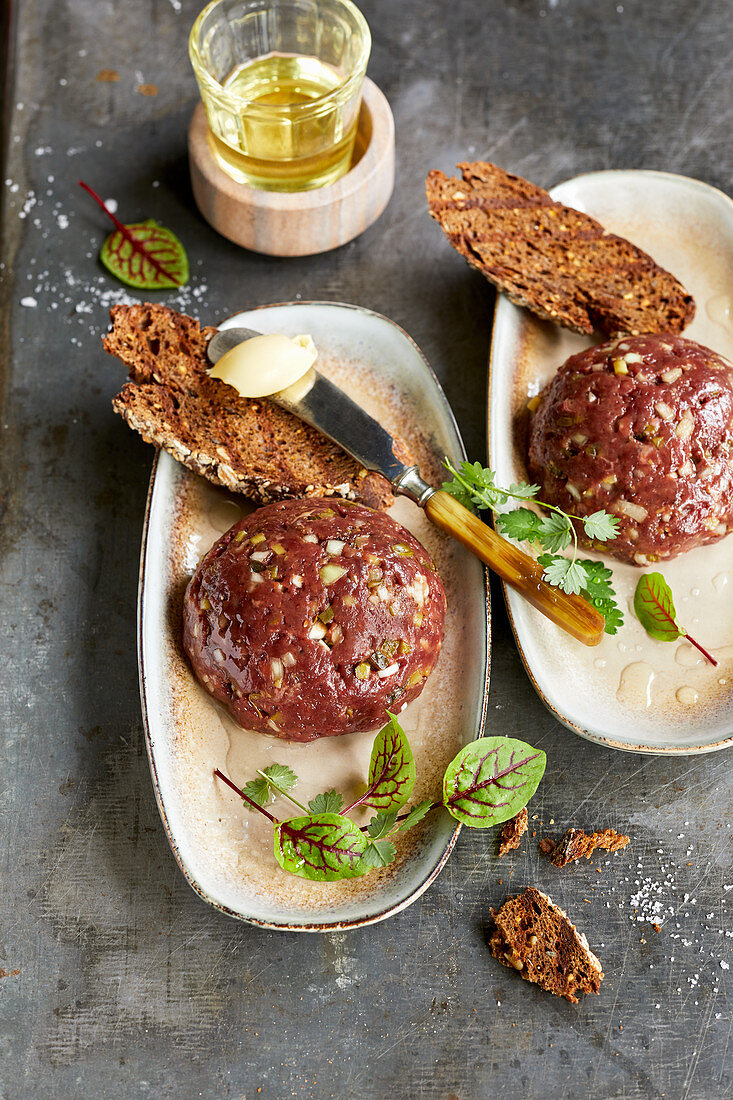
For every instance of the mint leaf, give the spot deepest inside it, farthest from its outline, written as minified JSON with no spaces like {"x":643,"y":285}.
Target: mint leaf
{"x":417,"y":813}
{"x":555,"y":531}
{"x":380,"y":825}
{"x":391,"y":769}
{"x":330,"y":802}
{"x":521,"y":524}
{"x":600,"y":525}
{"x":378,"y":854}
{"x":491,"y":779}
{"x":259,"y":790}
{"x":323,"y":848}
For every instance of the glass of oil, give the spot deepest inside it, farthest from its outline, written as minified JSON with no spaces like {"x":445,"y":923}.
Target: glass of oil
{"x":281,"y":84}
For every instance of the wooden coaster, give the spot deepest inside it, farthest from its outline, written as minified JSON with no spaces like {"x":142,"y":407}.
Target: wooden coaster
{"x":299,"y":223}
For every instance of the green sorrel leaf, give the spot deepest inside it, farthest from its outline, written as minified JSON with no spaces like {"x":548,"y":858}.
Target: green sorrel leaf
{"x":323,"y":848}
{"x":654,"y":607}
{"x":391,"y":769}
{"x":491,"y":779}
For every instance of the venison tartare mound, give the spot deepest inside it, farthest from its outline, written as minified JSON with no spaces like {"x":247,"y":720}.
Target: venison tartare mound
{"x":311,"y":618}
{"x":642,"y":427}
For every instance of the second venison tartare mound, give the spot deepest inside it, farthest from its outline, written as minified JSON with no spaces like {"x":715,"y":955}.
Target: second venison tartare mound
{"x":643,"y":428}
{"x":311,"y":618}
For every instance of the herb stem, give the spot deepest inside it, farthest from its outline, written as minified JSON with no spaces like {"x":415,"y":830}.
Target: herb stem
{"x":708,"y":656}
{"x":242,"y":795}
{"x":402,"y":817}
{"x":280,"y":791}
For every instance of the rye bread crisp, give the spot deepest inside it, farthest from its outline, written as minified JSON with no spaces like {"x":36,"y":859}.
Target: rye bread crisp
{"x":557,"y":262}
{"x":252,"y":447}
{"x":536,"y":938}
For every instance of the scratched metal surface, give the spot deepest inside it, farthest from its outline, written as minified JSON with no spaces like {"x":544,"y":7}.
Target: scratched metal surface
{"x":114,"y":978}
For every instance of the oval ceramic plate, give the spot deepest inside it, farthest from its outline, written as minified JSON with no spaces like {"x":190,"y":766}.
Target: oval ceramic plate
{"x":631,"y":692}
{"x":224,"y":849}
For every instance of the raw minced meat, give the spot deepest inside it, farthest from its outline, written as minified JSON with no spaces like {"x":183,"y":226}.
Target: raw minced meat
{"x":311,"y":618}
{"x":642,"y":427}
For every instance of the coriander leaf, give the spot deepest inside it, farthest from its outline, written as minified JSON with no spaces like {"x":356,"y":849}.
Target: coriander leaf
{"x":330,"y":802}
{"x":564,"y":573}
{"x":259,"y":790}
{"x":522,"y":524}
{"x":324,"y":847}
{"x":378,"y":854}
{"x":381,"y":825}
{"x":491,"y":779}
{"x":281,"y":774}
{"x":555,"y":531}
{"x":417,"y":813}
{"x":523,"y":491}
{"x":391,"y":769}
{"x":600,"y":525}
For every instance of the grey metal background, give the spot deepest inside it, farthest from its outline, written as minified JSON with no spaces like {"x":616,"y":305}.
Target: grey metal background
{"x":115,"y":979}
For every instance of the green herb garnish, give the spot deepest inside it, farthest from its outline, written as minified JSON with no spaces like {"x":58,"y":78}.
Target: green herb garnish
{"x":488,"y":782}
{"x":655,"y":610}
{"x":475,"y":486}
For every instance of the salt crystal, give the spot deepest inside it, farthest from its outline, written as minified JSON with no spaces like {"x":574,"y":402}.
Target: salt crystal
{"x":29,"y":303}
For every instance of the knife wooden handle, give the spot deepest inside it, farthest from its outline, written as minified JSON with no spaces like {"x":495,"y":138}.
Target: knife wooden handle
{"x":572,"y":613}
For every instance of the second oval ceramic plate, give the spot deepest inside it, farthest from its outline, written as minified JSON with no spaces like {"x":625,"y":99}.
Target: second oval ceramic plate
{"x":631,"y":692}
{"x":224,"y":849}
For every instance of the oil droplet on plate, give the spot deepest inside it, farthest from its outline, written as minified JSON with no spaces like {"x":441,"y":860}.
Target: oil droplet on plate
{"x":720,"y":309}
{"x":687,"y":656}
{"x":720,"y":581}
{"x":635,"y":685}
{"x":686,"y":695}
{"x":600,"y":662}
{"x":223,"y":514}
{"x":694,"y":591}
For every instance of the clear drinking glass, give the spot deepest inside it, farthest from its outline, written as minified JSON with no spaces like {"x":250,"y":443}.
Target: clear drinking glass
{"x":281,"y":83}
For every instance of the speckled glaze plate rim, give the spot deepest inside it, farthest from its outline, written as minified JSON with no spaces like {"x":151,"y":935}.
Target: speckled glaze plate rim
{"x":301,"y":925}
{"x":500,"y":323}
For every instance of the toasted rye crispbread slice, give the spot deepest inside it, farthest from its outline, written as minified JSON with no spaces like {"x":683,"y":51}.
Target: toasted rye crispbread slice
{"x":513,"y":831}
{"x":558,"y":262}
{"x":251,"y":447}
{"x":575,"y":843}
{"x":536,"y":938}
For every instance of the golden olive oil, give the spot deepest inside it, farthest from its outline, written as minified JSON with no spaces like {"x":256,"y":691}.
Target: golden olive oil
{"x":293,"y":131}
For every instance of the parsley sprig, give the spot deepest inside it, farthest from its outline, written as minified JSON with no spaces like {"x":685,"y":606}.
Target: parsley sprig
{"x":489,"y":781}
{"x":475,"y":486}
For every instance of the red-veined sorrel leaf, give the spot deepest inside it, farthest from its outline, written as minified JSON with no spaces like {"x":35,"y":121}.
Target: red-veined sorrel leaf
{"x":491,"y":779}
{"x":144,"y":255}
{"x":391,"y":770}
{"x":324,"y":847}
{"x":655,"y":610}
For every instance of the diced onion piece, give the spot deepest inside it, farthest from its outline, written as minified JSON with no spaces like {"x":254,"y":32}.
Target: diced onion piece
{"x":330,"y":573}
{"x":362,"y":671}
{"x":310,"y":538}
{"x":349,"y":601}
{"x":360,"y":541}
{"x":633,"y":357}
{"x":664,"y":410}
{"x":278,"y":671}
{"x":416,"y":677}
{"x":573,"y":490}
{"x":259,"y":537}
{"x":255,"y":578}
{"x":402,"y":550}
{"x":278,"y":548}
{"x":641,"y":559}
{"x":317,"y":631}
{"x":389,"y":671}
{"x":288,"y":660}
{"x":219,"y":657}
{"x":686,"y":426}
{"x":296,"y":581}
{"x":620,"y":366}
{"x":334,"y":546}
{"x":335,"y":633}
{"x":633,"y":511}
{"x":204,"y":604}
{"x":671,"y":375}
{"x":383,"y":593}
{"x":579,"y":438}
{"x":417,"y":618}
{"x":259,"y":555}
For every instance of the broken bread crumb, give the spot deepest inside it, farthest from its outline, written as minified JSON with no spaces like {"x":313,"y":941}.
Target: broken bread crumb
{"x":512,"y":832}
{"x":537,"y":939}
{"x":575,"y":844}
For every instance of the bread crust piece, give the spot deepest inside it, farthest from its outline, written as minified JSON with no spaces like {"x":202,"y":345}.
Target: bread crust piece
{"x":251,"y":447}
{"x":557,"y":262}
{"x":575,"y":843}
{"x":537,"y":939}
{"x":513,"y":831}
